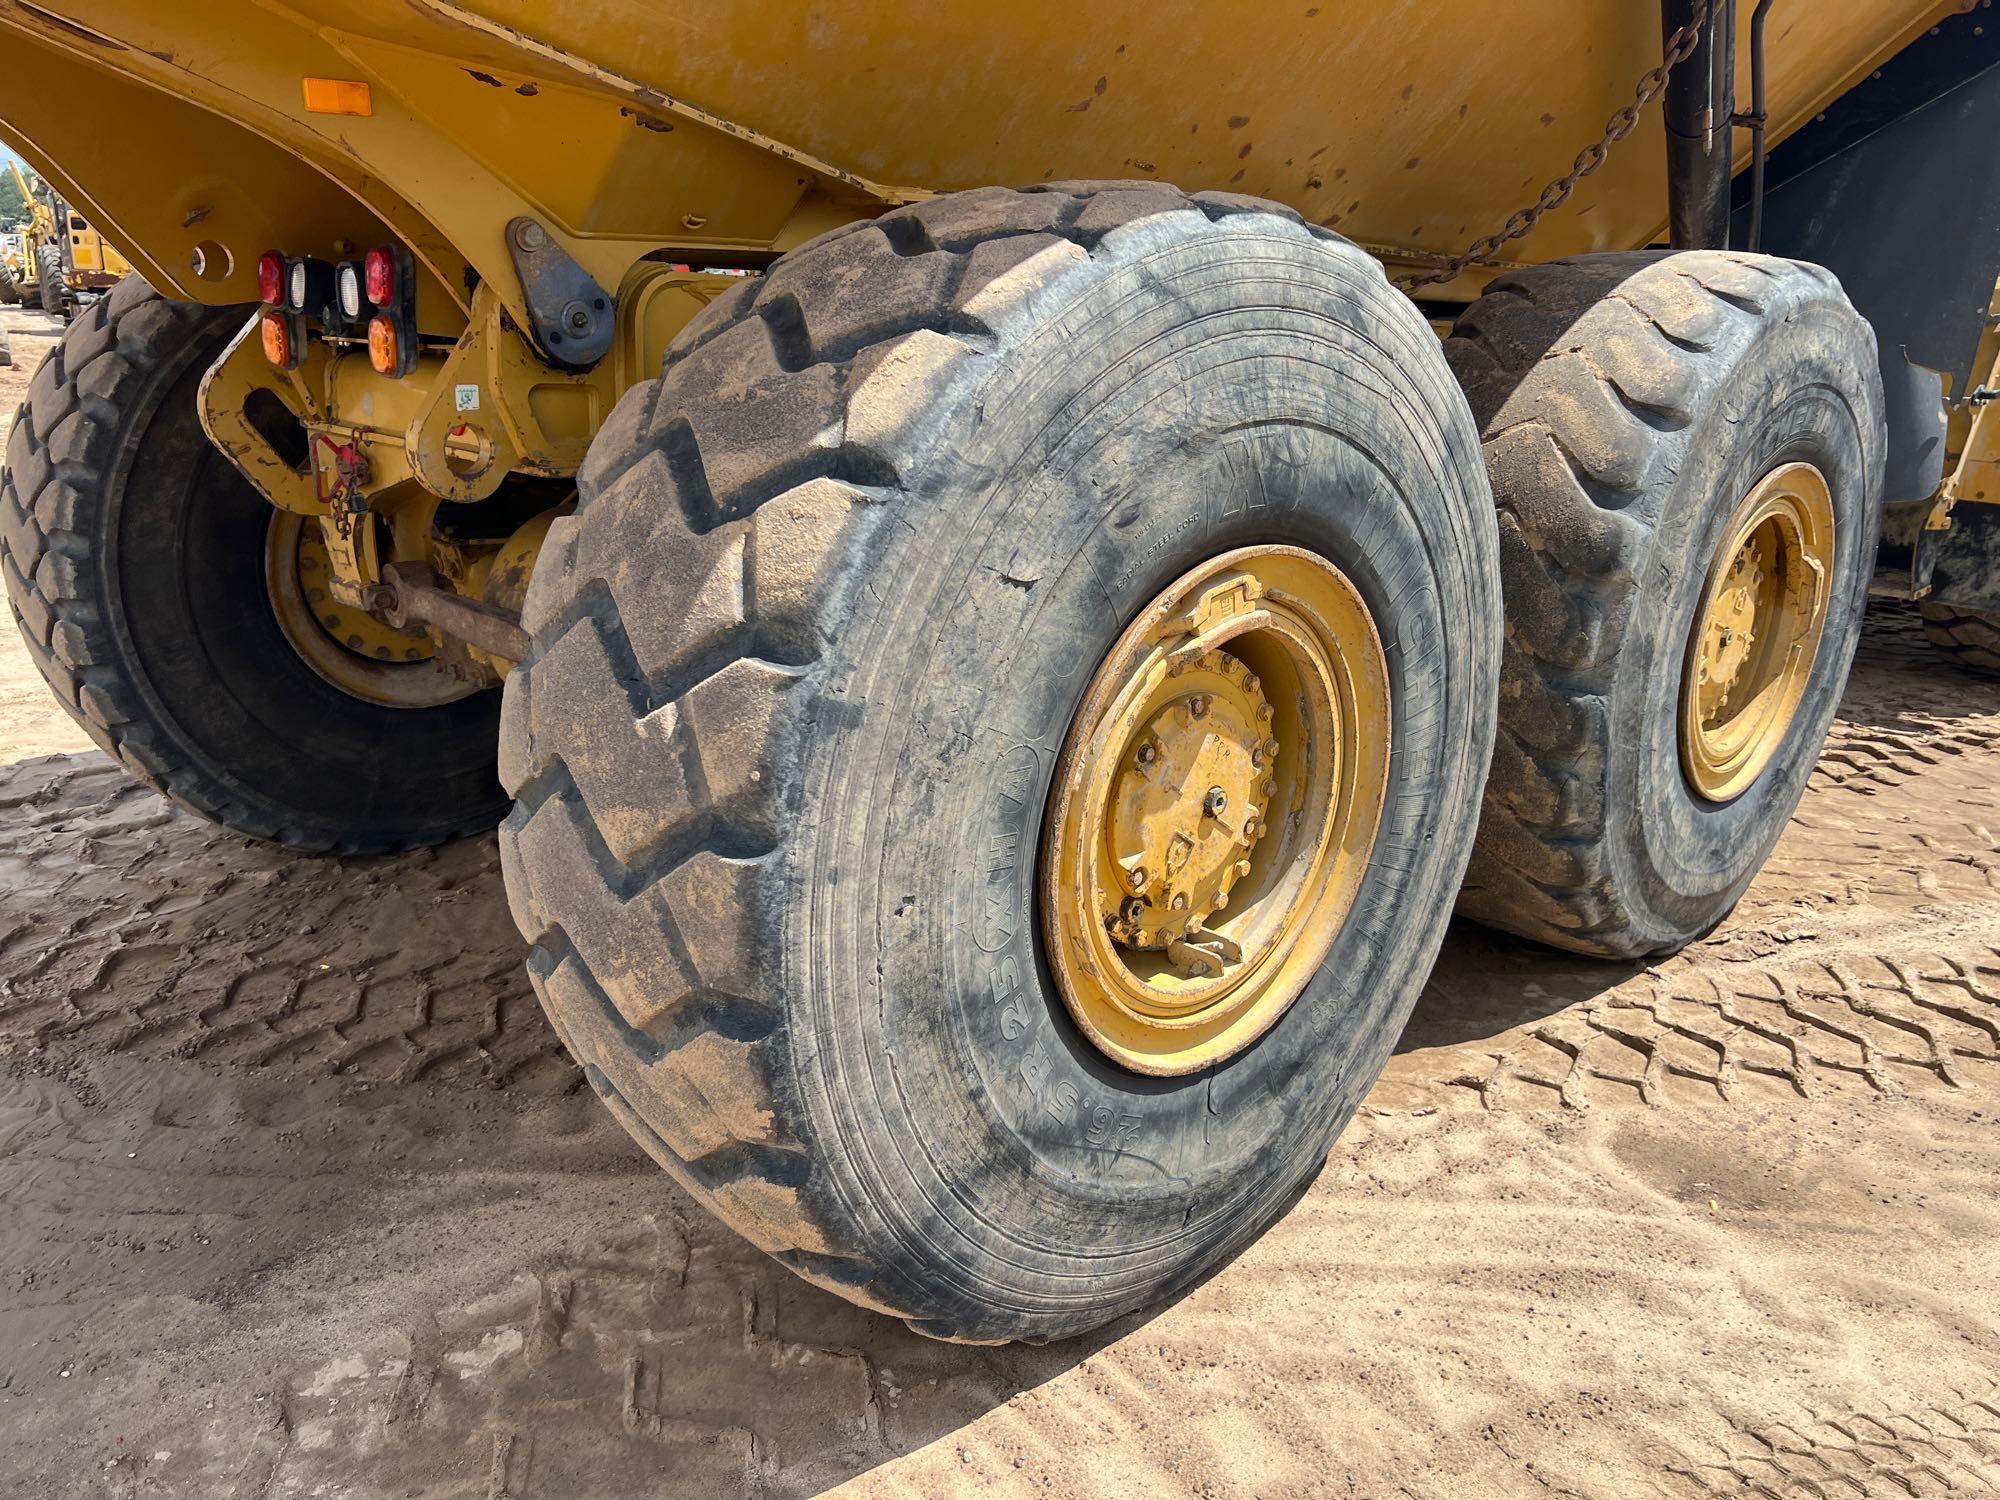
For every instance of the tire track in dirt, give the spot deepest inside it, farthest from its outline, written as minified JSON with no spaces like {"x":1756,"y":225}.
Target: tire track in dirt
{"x":130,"y":927}
{"x":1912,"y":1448}
{"x":1865,"y":957}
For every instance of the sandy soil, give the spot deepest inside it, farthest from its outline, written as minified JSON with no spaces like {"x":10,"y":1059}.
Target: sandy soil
{"x":300,"y":1196}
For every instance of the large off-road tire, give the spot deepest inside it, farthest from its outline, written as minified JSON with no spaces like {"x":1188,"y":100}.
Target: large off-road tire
{"x":1971,"y":639}
{"x":804,"y":660}
{"x":49,"y":280}
{"x":1627,"y":404}
{"x":134,"y":556}
{"x":10,"y":289}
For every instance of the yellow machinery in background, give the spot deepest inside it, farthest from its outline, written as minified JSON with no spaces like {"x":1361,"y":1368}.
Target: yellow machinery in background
{"x":61,"y":255}
{"x":1004,"y":629}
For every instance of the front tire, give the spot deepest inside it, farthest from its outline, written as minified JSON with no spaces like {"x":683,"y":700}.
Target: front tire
{"x":1687,"y":454}
{"x":135,"y":560}
{"x":805,"y":660}
{"x":49,"y":280}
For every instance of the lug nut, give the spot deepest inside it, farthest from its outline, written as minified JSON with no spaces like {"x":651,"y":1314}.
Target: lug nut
{"x":1214,"y":802}
{"x":1270,"y":787}
{"x":1133,"y":911}
{"x":1221,"y":899}
{"x":1139,"y":877}
{"x":1257,"y":758}
{"x":1265,"y":713}
{"x":1197,"y":706}
{"x":1180,"y":902}
{"x":1147,"y":754}
{"x":1251,"y":684}
{"x":1270,"y":747}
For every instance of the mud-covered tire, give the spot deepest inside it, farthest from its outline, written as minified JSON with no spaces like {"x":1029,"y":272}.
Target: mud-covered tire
{"x":803,"y":662}
{"x":49,"y":280}
{"x":1969,"y":638}
{"x":1626,"y":404}
{"x":133,"y":553}
{"x":10,"y":289}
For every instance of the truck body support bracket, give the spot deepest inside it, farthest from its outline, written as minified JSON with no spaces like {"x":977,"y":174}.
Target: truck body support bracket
{"x":574,"y":317}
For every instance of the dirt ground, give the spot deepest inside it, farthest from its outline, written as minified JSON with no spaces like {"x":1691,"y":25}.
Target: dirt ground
{"x":300,"y":1196}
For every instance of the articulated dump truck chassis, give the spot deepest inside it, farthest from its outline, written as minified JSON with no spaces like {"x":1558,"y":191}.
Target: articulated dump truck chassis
{"x":1015,"y":570}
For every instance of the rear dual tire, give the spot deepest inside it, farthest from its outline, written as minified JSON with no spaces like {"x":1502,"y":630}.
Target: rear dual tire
{"x":1628,"y":405}
{"x":134,"y":555}
{"x":804,"y":660}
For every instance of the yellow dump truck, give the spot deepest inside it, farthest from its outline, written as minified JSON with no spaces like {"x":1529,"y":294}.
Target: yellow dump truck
{"x":1003,"y":570}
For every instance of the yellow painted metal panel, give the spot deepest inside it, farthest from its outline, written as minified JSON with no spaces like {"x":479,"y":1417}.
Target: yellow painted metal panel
{"x":632,"y":126}
{"x":1413,"y":124}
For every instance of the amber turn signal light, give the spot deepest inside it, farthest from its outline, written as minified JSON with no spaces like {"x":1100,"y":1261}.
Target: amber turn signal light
{"x":280,"y":335}
{"x":385,"y":347}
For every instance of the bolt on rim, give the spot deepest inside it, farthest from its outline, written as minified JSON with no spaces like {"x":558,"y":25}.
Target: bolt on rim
{"x":1756,"y":634}
{"x":1215,"y":803}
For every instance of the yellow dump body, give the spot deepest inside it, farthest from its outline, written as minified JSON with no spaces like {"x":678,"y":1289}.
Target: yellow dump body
{"x":635,"y":128}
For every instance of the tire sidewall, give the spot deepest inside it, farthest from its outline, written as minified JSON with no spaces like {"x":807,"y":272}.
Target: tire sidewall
{"x":987,"y":1140}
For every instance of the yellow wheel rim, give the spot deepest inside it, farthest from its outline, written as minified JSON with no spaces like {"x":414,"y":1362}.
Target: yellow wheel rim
{"x":1757,"y":632}
{"x":364,"y":657}
{"x":1214,"y":808}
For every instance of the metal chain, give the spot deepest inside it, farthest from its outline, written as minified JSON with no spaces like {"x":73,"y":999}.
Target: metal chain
{"x":1588,"y":160}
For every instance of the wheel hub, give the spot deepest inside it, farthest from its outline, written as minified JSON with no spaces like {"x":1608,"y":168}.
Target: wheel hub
{"x":1215,"y":803}
{"x":350,"y":648}
{"x":1186,"y":810}
{"x":1757,"y":631}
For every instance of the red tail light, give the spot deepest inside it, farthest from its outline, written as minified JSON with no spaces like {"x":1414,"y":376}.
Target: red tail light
{"x":381,"y":277}
{"x":271,"y":277}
